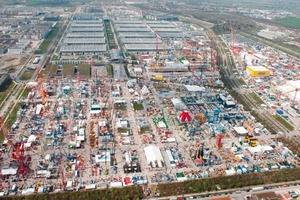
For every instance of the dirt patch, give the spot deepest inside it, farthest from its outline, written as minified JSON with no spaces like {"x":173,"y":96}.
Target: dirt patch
{"x":12,"y":63}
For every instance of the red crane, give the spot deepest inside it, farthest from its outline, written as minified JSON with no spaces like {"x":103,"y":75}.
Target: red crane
{"x":296,"y":90}
{"x":63,"y":185}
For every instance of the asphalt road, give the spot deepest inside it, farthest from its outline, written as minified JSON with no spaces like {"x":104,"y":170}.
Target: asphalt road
{"x":119,"y":72}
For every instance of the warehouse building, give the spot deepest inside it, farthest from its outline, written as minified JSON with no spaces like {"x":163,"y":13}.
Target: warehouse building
{"x":85,"y":35}
{"x":161,"y":17}
{"x":82,"y":49}
{"x":86,"y":29}
{"x":137,"y":35}
{"x":128,"y":22}
{"x":257,"y":71}
{"x":100,"y":26}
{"x":174,"y":35}
{"x":5,"y":80}
{"x":87,"y":22}
{"x":142,"y":47}
{"x":167,"y":30}
{"x":140,"y":41}
{"x":128,"y":29}
{"x":130,"y":26}
{"x":160,"y":24}
{"x":86,"y":41}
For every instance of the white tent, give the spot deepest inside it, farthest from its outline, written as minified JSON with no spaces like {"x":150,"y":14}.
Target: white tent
{"x":31,"y":138}
{"x":153,"y":155}
{"x":145,"y":90}
{"x":9,"y":171}
{"x":255,"y":149}
{"x":266,"y":148}
{"x":240,"y":130}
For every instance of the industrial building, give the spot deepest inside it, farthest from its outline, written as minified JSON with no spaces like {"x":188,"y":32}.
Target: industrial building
{"x":265,"y":196}
{"x":84,"y":36}
{"x":84,"y":22}
{"x":161,"y":17}
{"x":5,"y":80}
{"x":83,"y":49}
{"x":85,"y":29}
{"x":85,"y":41}
{"x":140,"y":41}
{"x":137,"y":37}
{"x":143,"y":47}
{"x":257,"y":71}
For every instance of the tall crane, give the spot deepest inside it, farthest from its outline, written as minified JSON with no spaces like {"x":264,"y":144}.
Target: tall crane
{"x":296,"y":90}
{"x":156,"y":43}
{"x":63,"y":185}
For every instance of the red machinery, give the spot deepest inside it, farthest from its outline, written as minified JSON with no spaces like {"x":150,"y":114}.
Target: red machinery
{"x":62,"y":175}
{"x":18,"y":156}
{"x":296,"y":90}
{"x":219,"y":140}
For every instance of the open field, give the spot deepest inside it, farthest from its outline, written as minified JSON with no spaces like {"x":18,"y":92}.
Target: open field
{"x":284,"y":122}
{"x":51,"y":69}
{"x":291,"y":22}
{"x":68,"y":70}
{"x":84,"y":70}
{"x":110,"y":70}
{"x":257,"y":98}
{"x":13,"y":115}
{"x":6,"y":91}
{"x":47,"y":41}
{"x":27,"y":74}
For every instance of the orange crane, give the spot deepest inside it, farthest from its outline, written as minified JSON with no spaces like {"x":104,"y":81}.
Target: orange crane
{"x":4,"y":131}
{"x":296,"y":90}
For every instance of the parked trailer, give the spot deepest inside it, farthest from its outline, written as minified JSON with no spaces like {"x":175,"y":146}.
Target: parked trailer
{"x":257,"y":189}
{"x":36,"y":60}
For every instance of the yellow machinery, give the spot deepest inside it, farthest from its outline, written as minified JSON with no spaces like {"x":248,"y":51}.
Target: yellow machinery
{"x":253,"y":142}
{"x":248,"y":138}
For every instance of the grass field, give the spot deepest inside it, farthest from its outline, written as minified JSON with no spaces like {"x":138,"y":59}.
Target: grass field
{"x":110,"y":70}
{"x":291,"y":22}
{"x":138,"y":106}
{"x":145,"y":129}
{"x":68,"y":70}
{"x":47,"y":41}
{"x":13,"y":115}
{"x":84,"y":70}
{"x":27,"y":74}
{"x":25,"y":93}
{"x":51,"y":69}
{"x":257,"y":98}
{"x":6,"y":91}
{"x":284,"y":122}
